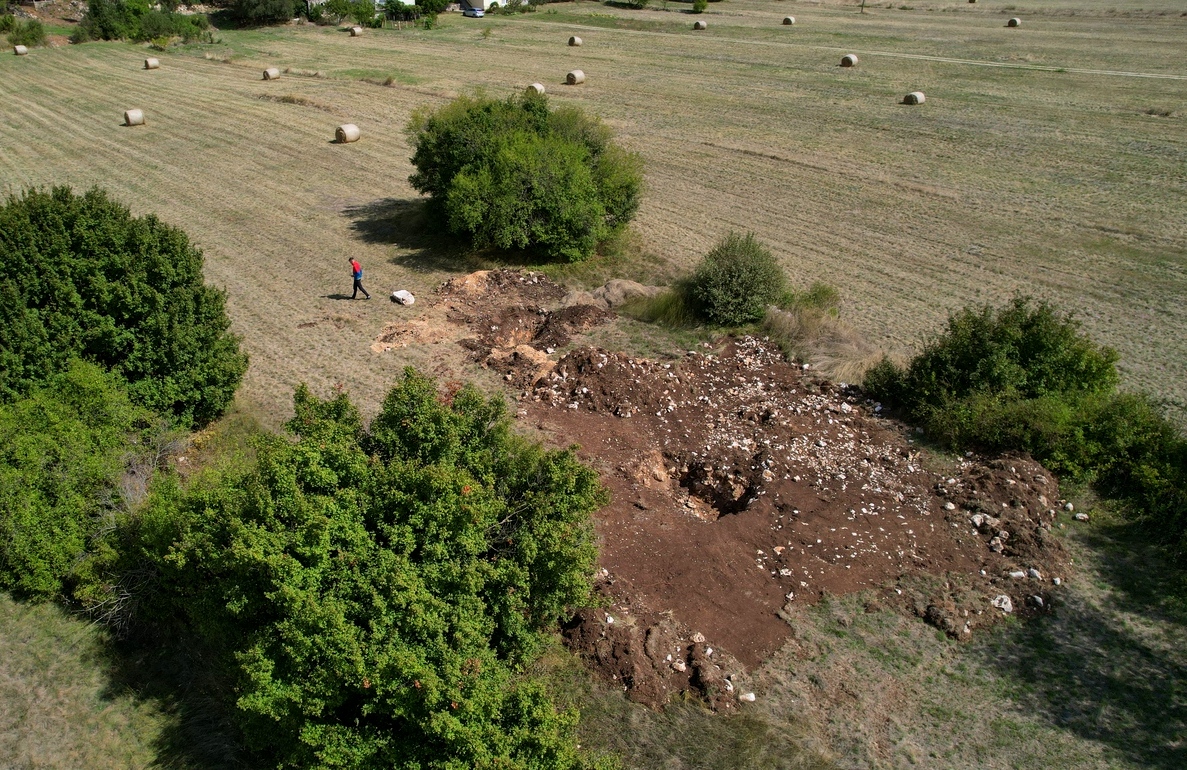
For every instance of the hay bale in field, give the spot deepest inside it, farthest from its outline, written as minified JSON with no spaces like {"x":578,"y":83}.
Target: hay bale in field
{"x":356,"y":31}
{"x":347,"y":133}
{"x":576,"y":77}
{"x":574,"y":41}
{"x":271,"y":73}
{"x":788,"y":20}
{"x":537,"y":87}
{"x":20,"y":50}
{"x":849,"y":60}
{"x":152,"y":64}
{"x":1014,"y":22}
{"x":700,"y":25}
{"x":915,"y":97}
{"x":134,"y":118}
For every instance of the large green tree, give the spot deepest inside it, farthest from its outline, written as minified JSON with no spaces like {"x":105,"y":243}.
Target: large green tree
{"x":377,"y":592}
{"x":81,"y":277}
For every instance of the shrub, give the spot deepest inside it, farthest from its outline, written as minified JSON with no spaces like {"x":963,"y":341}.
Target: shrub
{"x":263,"y":11}
{"x":29,"y":33}
{"x":363,"y":12}
{"x":62,"y":451}
{"x":377,"y":592}
{"x":699,"y":6}
{"x":1023,"y":377}
{"x":80,"y":276}
{"x":515,"y":174}
{"x":7,"y":22}
{"x":737,"y":280}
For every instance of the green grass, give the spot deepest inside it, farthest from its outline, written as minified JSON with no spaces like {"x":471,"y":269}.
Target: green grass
{"x":59,"y":704}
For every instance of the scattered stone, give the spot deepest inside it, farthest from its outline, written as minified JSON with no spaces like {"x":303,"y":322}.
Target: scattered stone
{"x":1018,"y":574}
{"x":747,"y":696}
{"x":1034,"y":573}
{"x":679,"y":665}
{"x":1057,"y":581}
{"x":1069,"y":507}
{"x":403,"y":297}
{"x":698,"y":638}
{"x":949,"y":506}
{"x":1003,"y":603}
{"x":1037,"y":601}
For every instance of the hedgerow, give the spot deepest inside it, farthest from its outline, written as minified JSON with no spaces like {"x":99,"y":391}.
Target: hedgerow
{"x":514,"y":174}
{"x":81,"y":277}
{"x":375,"y":593}
{"x":1024,"y":377}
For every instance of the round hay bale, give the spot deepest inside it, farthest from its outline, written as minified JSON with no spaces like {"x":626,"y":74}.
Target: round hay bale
{"x":788,"y":20}
{"x":271,"y":73}
{"x":576,"y":77}
{"x":134,"y":118}
{"x":537,"y":87}
{"x":347,"y":133}
{"x":20,"y":50}
{"x":849,"y":60}
{"x":1014,"y":22}
{"x":915,"y":97}
{"x":356,"y":31}
{"x":152,"y":64}
{"x":700,"y":25}
{"x":574,"y":41}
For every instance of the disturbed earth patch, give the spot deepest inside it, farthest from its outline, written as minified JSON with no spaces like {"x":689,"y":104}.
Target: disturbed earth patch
{"x":743,"y":487}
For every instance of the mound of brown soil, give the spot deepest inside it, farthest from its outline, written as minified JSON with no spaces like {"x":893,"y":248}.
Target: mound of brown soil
{"x":740,"y":484}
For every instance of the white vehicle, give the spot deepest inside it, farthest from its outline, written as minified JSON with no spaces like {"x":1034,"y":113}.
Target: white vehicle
{"x":473,"y":13}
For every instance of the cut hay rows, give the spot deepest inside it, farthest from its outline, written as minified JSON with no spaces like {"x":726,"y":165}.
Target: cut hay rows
{"x":930,"y":212}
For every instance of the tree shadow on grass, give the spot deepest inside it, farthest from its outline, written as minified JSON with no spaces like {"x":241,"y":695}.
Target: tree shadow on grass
{"x":405,"y":223}
{"x":185,"y":683}
{"x":1109,"y":669}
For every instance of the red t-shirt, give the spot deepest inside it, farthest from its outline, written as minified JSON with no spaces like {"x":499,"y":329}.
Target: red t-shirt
{"x":357,"y":269}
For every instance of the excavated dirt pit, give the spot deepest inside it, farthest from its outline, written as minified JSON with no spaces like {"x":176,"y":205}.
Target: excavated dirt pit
{"x":743,"y":486}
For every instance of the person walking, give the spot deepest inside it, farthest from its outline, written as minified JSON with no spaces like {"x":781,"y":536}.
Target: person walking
{"x":357,"y":270}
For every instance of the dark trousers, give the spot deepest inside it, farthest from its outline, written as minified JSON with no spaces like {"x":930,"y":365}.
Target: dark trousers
{"x":358,"y":286}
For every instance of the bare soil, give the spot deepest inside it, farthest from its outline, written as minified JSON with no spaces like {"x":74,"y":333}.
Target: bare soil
{"x":744,"y":486}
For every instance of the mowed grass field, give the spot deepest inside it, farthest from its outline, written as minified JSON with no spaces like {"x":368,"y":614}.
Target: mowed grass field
{"x":1049,"y":159}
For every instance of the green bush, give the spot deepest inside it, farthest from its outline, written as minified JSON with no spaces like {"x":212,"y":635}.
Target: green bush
{"x":699,"y":6}
{"x":263,"y":11}
{"x":737,"y":280}
{"x":1023,"y":377}
{"x":80,"y":276}
{"x":377,"y":593}
{"x":62,"y":451}
{"x":515,"y":174}
{"x":28,"y":33}
{"x":136,"y":20}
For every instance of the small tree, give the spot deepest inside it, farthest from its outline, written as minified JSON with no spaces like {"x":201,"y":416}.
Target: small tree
{"x":263,"y":11}
{"x":737,"y":280}
{"x":699,"y":6}
{"x":515,"y":174}
{"x":81,"y":277}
